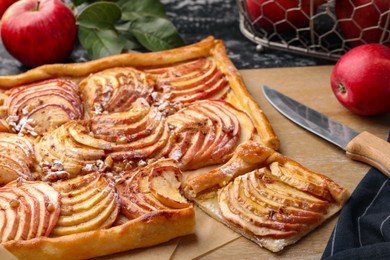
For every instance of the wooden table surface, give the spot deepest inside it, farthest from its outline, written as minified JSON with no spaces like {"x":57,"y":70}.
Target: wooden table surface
{"x":309,"y":85}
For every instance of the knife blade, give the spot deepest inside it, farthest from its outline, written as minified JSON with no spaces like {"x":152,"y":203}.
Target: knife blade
{"x":364,"y":146}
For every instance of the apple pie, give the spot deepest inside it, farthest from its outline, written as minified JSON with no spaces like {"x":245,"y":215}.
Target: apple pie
{"x":114,"y":154}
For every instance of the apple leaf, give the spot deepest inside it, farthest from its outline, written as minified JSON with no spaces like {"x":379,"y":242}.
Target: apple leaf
{"x":155,"y":33}
{"x":99,"y":15}
{"x":101,"y":42}
{"x":111,"y":27}
{"x":137,"y":8}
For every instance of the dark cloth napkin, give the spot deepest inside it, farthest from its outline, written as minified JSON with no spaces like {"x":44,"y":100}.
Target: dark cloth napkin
{"x":363,"y":227}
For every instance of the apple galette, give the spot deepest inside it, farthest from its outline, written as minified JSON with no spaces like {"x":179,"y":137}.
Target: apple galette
{"x":94,"y":156}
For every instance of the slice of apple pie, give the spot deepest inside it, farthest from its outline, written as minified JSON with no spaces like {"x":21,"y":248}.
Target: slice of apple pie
{"x":265,"y":196}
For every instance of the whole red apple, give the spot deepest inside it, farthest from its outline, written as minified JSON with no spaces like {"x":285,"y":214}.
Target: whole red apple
{"x":361,"y":79}
{"x":363,"y":21}
{"x":4,"y":4}
{"x":38,"y":32}
{"x":281,"y":16}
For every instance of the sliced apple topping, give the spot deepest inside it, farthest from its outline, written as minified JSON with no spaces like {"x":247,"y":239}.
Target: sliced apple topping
{"x":191,"y":81}
{"x":154,"y":187}
{"x":28,"y":210}
{"x":36,"y":108}
{"x":88,"y":203}
{"x":68,"y":151}
{"x":266,"y":207}
{"x":206,"y":132}
{"x":16,"y":157}
{"x":115,"y":90}
{"x":252,"y":155}
{"x":141,"y":140}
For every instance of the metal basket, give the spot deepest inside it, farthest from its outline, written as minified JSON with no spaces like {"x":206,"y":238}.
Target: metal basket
{"x":322,"y":35}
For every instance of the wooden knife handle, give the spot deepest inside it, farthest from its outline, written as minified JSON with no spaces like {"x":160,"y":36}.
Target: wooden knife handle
{"x":372,"y":150}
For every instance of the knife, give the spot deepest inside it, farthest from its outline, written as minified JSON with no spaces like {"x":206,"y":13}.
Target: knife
{"x":364,"y":147}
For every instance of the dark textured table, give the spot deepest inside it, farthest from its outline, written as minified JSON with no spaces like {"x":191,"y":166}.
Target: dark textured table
{"x":197,"y":19}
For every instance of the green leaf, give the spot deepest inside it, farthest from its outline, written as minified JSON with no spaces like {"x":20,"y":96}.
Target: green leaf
{"x":97,"y":33}
{"x":156,"y":33}
{"x":101,"y":42}
{"x":124,"y":31}
{"x":136,"y":8}
{"x":99,"y":15}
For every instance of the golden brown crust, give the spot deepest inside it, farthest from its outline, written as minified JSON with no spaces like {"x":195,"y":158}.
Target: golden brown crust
{"x":138,"y":60}
{"x":245,"y":100}
{"x":151,"y":229}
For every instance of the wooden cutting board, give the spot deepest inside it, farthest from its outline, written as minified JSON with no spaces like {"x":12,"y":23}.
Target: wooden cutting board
{"x":311,"y":86}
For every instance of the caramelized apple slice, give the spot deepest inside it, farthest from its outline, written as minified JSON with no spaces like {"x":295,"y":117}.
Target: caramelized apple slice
{"x":237,"y":221}
{"x":11,"y":217}
{"x":36,"y":108}
{"x":86,"y":207}
{"x":165,"y":183}
{"x":36,"y":205}
{"x":151,"y":188}
{"x":213,"y":129}
{"x":191,"y":81}
{"x":16,"y":158}
{"x":59,"y":145}
{"x":115,"y":90}
{"x":257,"y":201}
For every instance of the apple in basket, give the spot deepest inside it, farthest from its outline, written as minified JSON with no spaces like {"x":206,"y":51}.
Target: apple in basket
{"x":282,"y":16}
{"x":38,"y":32}
{"x":364,"y":21}
{"x":361,"y":79}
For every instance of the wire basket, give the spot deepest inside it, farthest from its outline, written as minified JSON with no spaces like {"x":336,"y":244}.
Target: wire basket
{"x":319,"y":28}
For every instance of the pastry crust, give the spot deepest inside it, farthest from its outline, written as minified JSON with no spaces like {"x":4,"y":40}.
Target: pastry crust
{"x":150,"y":229}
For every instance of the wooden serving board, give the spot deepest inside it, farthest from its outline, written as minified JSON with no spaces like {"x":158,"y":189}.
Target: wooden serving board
{"x":311,"y":86}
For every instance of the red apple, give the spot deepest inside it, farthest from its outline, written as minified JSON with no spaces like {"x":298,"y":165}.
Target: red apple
{"x":281,"y":16}
{"x":38,"y":32}
{"x":363,"y":21}
{"x":361,"y":79}
{"x":4,"y":4}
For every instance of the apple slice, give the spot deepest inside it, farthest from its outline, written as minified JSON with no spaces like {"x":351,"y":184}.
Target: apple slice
{"x":301,"y":182}
{"x":59,"y":145}
{"x":16,"y":158}
{"x":37,"y":206}
{"x":87,"y":203}
{"x":165,"y":183}
{"x":191,"y":81}
{"x":37,"y":108}
{"x":32,"y":204}
{"x":264,"y":214}
{"x":237,"y":222}
{"x":214,"y":128}
{"x":151,"y":188}
{"x":81,"y":135}
{"x":264,"y":182}
{"x":11,"y":217}
{"x":143,"y":148}
{"x":22,"y":209}
{"x":257,"y":201}
{"x":115,"y":90}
